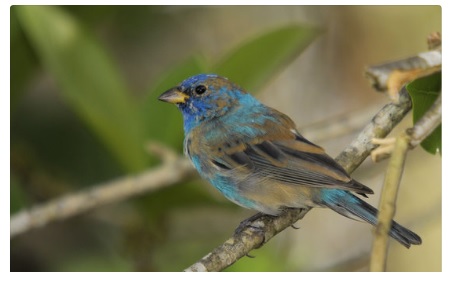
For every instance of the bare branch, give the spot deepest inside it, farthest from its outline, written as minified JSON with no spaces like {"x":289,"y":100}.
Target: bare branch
{"x":266,"y":227}
{"x":173,"y":170}
{"x":393,"y":75}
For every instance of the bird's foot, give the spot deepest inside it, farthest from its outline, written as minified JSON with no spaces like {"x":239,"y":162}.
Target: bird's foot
{"x":248,"y":222}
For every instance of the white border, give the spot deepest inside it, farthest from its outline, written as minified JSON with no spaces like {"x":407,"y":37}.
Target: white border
{"x":267,"y":278}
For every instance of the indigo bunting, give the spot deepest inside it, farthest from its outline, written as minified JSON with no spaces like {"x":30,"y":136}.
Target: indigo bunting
{"x":255,"y":156}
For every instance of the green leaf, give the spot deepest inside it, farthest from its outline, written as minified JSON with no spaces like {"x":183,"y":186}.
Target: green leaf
{"x":424,"y":91}
{"x":89,"y":81}
{"x":253,"y":63}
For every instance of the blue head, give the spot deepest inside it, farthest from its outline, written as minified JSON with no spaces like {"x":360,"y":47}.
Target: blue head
{"x":205,"y":97}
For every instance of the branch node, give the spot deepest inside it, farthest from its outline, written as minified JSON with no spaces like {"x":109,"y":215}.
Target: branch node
{"x":386,"y":146}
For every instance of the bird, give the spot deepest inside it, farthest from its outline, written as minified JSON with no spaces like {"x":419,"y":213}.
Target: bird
{"x":255,"y":156}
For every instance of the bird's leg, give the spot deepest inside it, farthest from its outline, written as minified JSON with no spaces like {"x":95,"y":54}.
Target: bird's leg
{"x":293,"y":226}
{"x":248,"y":222}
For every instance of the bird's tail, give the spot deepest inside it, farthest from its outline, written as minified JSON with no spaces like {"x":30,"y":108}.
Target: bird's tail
{"x":351,"y":206}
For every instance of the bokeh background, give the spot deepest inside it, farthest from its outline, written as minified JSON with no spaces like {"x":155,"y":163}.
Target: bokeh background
{"x":84,"y":83}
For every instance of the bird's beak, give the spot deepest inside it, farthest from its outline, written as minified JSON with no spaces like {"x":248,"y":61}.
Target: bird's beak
{"x":174,"y":96}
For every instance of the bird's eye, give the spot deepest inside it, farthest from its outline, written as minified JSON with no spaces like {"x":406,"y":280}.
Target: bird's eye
{"x":200,"y":89}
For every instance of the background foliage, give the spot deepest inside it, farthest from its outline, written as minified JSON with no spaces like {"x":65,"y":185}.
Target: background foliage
{"x":84,"y":83}
{"x":424,"y":92}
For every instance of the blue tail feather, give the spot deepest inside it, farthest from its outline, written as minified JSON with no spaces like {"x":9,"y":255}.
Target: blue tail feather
{"x":351,"y":206}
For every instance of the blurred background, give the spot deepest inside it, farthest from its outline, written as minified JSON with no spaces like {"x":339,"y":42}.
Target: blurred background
{"x":84,"y":87}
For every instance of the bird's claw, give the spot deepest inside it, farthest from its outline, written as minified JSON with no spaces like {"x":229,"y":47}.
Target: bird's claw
{"x":248,"y":222}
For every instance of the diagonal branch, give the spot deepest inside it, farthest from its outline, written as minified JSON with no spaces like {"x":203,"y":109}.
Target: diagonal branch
{"x":262,"y":229}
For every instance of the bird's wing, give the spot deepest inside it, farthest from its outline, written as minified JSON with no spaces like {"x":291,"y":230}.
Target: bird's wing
{"x":284,"y":155}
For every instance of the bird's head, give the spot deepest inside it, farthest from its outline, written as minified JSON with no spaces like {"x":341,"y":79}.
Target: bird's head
{"x":204,"y":97}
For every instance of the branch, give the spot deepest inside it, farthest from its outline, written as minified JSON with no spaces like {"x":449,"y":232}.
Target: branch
{"x":387,"y":204}
{"x":407,"y":140}
{"x":262,"y":229}
{"x":420,"y":131}
{"x":381,"y":124}
{"x":392,"y":76}
{"x":172,"y":170}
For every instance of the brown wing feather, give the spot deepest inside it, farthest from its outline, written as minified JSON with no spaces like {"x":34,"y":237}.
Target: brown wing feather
{"x":286,"y":156}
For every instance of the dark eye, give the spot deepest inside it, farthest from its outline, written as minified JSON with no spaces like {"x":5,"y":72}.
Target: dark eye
{"x":200,"y":89}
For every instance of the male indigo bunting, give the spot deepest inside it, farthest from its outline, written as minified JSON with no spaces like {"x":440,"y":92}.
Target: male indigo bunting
{"x":255,"y":156}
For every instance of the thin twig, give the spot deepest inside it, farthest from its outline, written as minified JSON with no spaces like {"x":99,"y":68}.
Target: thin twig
{"x":266,"y":227}
{"x":427,"y":124}
{"x":172,"y":170}
{"x":387,"y":204}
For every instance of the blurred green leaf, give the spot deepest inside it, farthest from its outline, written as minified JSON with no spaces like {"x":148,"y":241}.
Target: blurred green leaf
{"x":89,"y":81}
{"x":17,"y":196}
{"x":256,"y":62}
{"x":23,"y":61}
{"x":424,"y":91}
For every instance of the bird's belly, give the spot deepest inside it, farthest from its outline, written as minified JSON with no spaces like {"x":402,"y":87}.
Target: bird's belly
{"x":273,"y":196}
{"x":264,"y":195}
{"x":229,"y":188}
